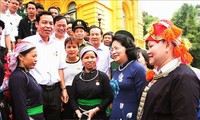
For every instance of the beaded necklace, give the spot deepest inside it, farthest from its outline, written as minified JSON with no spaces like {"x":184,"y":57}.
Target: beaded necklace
{"x":80,"y":76}
{"x":125,"y":66}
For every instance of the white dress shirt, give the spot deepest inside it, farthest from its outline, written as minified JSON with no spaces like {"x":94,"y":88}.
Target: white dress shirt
{"x":104,"y":59}
{"x":49,"y":60}
{"x":14,"y":21}
{"x":6,"y":30}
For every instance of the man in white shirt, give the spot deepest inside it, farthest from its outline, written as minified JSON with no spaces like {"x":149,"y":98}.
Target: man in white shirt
{"x":60,"y":34}
{"x":103,"y":51}
{"x":49,"y":69}
{"x":5,"y":37}
{"x":14,"y":19}
{"x":60,"y":28}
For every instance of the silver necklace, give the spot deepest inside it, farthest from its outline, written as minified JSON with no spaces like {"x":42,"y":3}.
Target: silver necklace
{"x":124,"y":66}
{"x":80,"y":76}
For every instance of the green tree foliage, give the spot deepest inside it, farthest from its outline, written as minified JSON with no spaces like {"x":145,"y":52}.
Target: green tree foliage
{"x":187,"y":18}
{"x":148,"y":20}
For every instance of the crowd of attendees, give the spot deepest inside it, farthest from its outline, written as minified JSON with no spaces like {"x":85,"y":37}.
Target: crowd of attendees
{"x":57,"y":68}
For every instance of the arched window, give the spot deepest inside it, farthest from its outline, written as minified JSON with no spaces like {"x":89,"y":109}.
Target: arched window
{"x":72,"y":10}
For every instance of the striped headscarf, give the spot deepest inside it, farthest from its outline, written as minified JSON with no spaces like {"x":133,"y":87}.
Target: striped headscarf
{"x":20,"y":47}
{"x":12,"y":61}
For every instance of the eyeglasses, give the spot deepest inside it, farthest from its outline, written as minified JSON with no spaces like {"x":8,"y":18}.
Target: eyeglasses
{"x":116,"y":48}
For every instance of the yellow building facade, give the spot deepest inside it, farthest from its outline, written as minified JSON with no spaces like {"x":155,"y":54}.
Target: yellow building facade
{"x":115,"y":14}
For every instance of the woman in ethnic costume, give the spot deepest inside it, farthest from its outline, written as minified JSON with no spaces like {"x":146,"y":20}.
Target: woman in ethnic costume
{"x":173,"y":91}
{"x":26,"y":94}
{"x":129,"y":78}
{"x":91,"y":93}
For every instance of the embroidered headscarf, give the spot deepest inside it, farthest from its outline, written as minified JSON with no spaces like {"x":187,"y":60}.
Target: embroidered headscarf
{"x":12,"y":61}
{"x":166,"y":30}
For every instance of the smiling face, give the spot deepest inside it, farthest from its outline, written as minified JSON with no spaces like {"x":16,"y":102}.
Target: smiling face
{"x":155,"y":56}
{"x":95,"y":37}
{"x":29,"y":60}
{"x":60,"y":27}
{"x":89,"y":61}
{"x":45,"y":26}
{"x":118,"y":52}
{"x":160,"y":53}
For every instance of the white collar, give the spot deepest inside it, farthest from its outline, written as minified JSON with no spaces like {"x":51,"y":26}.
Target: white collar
{"x":53,"y":36}
{"x":168,"y":66}
{"x":9,"y":13}
{"x":40,"y":39}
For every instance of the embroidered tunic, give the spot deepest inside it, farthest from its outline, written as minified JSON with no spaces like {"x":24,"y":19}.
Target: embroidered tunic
{"x":173,"y":97}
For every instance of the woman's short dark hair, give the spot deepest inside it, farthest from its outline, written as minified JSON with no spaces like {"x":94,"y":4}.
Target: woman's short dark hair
{"x":71,"y":40}
{"x":128,"y":43}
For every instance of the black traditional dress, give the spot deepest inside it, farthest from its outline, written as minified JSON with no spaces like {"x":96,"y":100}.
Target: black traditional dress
{"x":90,"y":90}
{"x":172,"y":95}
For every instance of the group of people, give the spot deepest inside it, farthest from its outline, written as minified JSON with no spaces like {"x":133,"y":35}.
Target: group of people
{"x":64,"y":71}
{"x":20,"y":20}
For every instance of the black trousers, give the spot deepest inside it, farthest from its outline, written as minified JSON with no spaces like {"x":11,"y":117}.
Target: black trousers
{"x":51,"y":101}
{"x":68,"y":112}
